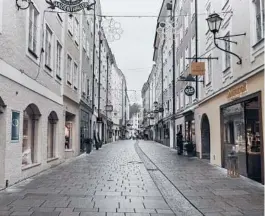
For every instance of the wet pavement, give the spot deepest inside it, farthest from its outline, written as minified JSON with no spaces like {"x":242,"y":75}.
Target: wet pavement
{"x":131,"y":179}
{"x":206,"y":187}
{"x":112,"y":181}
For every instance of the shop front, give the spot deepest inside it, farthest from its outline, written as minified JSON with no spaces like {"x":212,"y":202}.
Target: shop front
{"x":241,"y":129}
{"x":85,"y":128}
{"x":233,"y":121}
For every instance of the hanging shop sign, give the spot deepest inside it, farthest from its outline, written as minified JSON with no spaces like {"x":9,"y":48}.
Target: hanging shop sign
{"x":189,"y":91}
{"x":69,"y":5}
{"x":109,"y":108}
{"x":197,"y":68}
{"x":15,"y":126}
{"x":237,"y":91}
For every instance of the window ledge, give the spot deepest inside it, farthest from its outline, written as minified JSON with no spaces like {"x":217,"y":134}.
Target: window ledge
{"x":30,"y":166}
{"x":52,"y":159}
{"x":258,"y":43}
{"x":58,"y":77}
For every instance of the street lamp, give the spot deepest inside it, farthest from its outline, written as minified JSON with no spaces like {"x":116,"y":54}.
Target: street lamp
{"x":23,"y":4}
{"x":214,"y":23}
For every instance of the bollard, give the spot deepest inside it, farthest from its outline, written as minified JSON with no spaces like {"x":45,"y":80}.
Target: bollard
{"x":232,"y":166}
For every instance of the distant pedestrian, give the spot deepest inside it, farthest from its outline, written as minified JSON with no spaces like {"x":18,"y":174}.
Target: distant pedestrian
{"x":180,"y":142}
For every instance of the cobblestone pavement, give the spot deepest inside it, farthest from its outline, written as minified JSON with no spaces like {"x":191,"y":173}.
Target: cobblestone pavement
{"x":111,"y":182}
{"x":206,"y":187}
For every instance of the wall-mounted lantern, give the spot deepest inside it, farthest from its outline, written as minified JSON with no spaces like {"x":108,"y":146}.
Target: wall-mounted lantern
{"x":214,"y":24}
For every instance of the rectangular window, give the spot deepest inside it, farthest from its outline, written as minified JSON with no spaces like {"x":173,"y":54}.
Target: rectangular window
{"x":209,"y":70}
{"x":48,"y":48}
{"x":181,"y":99}
{"x":177,"y":101}
{"x":193,"y":84}
{"x":58,"y":59}
{"x":70,"y":24}
{"x":69,"y":70}
{"x":186,"y":23}
{"x":181,"y":65}
{"x":193,"y":45}
{"x":227,"y":55}
{"x":88,"y":48}
{"x":83,"y":82}
{"x":259,"y":13}
{"x":75,"y":82}
{"x":33,"y":29}
{"x":186,"y":64}
{"x":84,"y":39}
{"x":76,"y":34}
{"x":88,"y":88}
{"x":192,"y":9}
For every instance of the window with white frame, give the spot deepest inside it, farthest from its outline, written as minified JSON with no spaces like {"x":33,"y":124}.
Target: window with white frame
{"x":192,"y":6}
{"x":84,"y":82}
{"x":227,"y":56}
{"x":75,"y":81}
{"x":84,"y":39}
{"x":181,"y":65}
{"x":193,"y":51}
{"x":177,"y":69}
{"x":58,"y":59}
{"x":186,"y":56}
{"x":69,"y":69}
{"x":88,"y":87}
{"x":259,"y":19}
{"x":88,"y":47}
{"x":193,"y":84}
{"x":70,"y":24}
{"x":177,"y":101}
{"x":209,"y":70}
{"x":76,"y":30}
{"x":180,"y":34}
{"x":186,"y":22}
{"x":181,"y":99}
{"x":187,"y":99}
{"x":33,"y":29}
{"x":48,"y":47}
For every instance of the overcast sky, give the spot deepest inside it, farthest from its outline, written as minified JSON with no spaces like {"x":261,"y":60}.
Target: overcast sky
{"x":134,"y":51}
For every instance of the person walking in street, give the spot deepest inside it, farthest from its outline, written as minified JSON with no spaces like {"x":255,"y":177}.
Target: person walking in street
{"x":180,"y":142}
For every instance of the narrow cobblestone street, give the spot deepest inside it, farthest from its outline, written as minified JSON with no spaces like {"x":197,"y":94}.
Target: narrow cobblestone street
{"x":133,"y":179}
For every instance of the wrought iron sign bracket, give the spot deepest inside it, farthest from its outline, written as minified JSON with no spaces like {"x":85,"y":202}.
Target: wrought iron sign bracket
{"x":204,"y":58}
{"x":189,"y":78}
{"x":229,"y":41}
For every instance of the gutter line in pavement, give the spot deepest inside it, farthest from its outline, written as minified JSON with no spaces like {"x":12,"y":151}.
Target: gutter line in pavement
{"x":158,"y":169}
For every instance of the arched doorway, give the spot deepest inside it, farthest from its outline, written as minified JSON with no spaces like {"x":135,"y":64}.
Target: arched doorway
{"x":30,"y":146}
{"x":51,"y":135}
{"x":205,"y":137}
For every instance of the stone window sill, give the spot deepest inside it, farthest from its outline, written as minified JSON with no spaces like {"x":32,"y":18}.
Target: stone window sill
{"x":30,"y":166}
{"x":52,"y":159}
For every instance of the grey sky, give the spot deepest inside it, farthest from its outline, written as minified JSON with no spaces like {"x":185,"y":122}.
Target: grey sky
{"x":134,"y":51}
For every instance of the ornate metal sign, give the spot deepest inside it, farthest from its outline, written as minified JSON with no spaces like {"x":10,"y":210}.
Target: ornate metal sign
{"x":189,"y":91}
{"x":70,"y":5}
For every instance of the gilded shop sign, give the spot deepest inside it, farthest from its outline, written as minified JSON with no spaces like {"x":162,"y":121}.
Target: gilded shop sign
{"x":237,"y":91}
{"x":69,"y":5}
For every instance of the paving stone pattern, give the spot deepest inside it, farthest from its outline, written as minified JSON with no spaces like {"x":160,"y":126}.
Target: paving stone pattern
{"x":110,"y":182}
{"x":206,"y":186}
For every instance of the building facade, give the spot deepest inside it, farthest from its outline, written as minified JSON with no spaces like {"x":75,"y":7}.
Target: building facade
{"x":49,"y":86}
{"x":227,"y":110}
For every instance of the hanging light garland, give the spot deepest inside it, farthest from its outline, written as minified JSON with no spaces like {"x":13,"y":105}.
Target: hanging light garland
{"x":112,"y":29}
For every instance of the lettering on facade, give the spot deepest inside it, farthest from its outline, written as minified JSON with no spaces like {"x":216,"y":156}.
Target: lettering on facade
{"x":69,"y":5}
{"x":237,"y":91}
{"x":198,"y":68}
